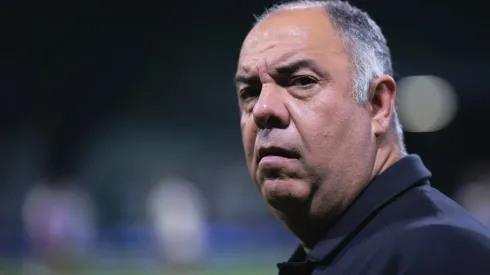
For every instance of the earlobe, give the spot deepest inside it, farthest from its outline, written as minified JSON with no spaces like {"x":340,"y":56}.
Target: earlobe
{"x":382,"y":103}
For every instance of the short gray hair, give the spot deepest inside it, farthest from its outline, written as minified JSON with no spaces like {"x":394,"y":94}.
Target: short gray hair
{"x":365,"y":42}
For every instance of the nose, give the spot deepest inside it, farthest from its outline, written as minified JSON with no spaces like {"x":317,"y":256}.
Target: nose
{"x":270,"y":110}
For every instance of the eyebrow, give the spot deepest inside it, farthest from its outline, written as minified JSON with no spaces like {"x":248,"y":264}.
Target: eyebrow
{"x":290,"y":68}
{"x":283,"y":69}
{"x":240,"y":79}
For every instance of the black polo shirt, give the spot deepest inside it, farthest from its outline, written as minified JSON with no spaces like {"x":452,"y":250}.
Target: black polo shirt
{"x":399,"y":225}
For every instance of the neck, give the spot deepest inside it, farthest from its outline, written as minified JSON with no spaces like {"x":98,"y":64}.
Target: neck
{"x":388,"y":152}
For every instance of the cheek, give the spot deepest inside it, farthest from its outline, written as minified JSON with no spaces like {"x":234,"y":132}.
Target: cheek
{"x":249,"y":131}
{"x":349,"y":135}
{"x":334,"y":131}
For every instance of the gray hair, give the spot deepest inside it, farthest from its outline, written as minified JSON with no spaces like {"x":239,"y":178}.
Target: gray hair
{"x":370,"y":55}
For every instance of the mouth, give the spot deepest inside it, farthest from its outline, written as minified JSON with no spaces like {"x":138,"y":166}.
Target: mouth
{"x":277,"y":152}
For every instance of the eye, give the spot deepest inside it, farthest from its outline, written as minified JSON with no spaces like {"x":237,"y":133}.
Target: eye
{"x":303,"y":81}
{"x":247,"y":93}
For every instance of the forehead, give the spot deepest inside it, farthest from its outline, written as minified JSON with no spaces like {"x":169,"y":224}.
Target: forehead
{"x":304,"y":33}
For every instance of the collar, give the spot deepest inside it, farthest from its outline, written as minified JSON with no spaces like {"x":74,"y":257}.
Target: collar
{"x":402,"y":175}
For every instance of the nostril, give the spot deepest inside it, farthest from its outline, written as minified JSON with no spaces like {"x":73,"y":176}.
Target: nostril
{"x":269,"y":122}
{"x":260,"y":122}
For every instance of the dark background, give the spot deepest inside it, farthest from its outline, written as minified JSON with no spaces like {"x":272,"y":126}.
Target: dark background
{"x":111,"y":92}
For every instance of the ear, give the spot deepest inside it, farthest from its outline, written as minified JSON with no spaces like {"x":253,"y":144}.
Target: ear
{"x":381,"y":101}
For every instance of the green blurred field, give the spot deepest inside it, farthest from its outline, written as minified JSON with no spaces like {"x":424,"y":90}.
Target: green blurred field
{"x":256,"y":262}
{"x":155,"y":271}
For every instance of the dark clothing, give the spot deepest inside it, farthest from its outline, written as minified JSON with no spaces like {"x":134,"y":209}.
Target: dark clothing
{"x":399,"y":225}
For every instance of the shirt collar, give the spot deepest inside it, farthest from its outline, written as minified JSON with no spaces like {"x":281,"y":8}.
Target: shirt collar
{"x":399,"y":177}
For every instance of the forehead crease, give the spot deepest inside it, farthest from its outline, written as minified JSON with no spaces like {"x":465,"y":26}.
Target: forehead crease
{"x":269,"y":61}
{"x":278,"y":39}
{"x":251,"y":57}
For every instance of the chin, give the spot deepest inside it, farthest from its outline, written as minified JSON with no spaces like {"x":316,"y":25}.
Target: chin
{"x":284,"y":194}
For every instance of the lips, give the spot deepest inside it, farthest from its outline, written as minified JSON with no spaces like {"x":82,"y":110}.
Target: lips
{"x":274,"y":151}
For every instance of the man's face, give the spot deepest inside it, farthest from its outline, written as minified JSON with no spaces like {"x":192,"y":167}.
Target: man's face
{"x":307,"y":143}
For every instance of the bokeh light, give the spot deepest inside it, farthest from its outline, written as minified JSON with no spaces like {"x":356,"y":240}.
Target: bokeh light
{"x":426,"y":103}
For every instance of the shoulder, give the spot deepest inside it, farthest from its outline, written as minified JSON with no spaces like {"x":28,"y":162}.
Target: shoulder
{"x":444,"y":235}
{"x":442,"y":248}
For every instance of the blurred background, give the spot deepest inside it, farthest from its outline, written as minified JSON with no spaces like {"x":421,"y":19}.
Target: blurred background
{"x":120,"y":147}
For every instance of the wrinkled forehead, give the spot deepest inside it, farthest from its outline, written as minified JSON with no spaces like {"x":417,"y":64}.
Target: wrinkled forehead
{"x":272,"y":32}
{"x":287,"y":34}
{"x":268,"y":49}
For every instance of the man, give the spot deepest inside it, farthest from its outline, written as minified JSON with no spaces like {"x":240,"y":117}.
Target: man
{"x":324,"y":146}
